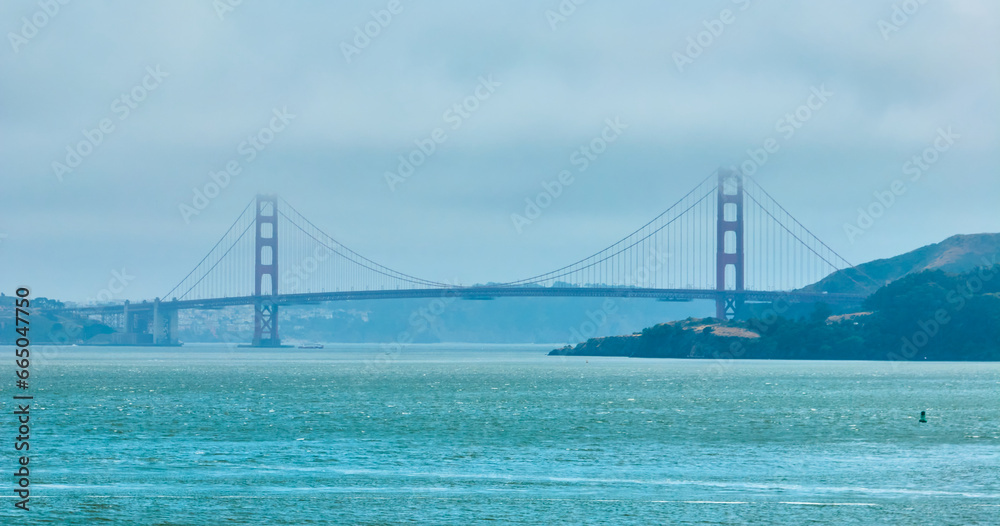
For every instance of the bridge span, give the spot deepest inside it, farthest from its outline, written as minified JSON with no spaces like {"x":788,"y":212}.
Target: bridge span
{"x":726,"y":240}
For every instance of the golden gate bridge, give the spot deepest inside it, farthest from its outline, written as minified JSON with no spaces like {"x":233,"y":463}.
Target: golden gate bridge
{"x":726,"y":240}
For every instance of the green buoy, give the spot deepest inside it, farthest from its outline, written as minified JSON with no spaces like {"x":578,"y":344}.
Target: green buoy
{"x":923,"y":417}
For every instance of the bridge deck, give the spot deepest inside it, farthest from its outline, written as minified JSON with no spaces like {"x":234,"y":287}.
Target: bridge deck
{"x":485,"y":292}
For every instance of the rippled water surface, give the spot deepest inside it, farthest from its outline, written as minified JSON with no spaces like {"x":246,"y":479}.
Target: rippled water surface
{"x":502,"y":435}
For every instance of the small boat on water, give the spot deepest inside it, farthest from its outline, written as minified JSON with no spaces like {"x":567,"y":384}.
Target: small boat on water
{"x":311,"y":346}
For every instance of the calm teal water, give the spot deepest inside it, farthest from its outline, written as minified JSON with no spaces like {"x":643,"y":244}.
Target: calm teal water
{"x":502,"y":435}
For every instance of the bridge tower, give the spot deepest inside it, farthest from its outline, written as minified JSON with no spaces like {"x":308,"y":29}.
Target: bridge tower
{"x":729,"y":245}
{"x":265,"y":325}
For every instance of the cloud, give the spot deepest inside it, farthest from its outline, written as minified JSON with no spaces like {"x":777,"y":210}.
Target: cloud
{"x":557,"y":86}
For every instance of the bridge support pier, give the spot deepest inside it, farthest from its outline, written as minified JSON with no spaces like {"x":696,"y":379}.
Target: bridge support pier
{"x":729,"y":245}
{"x":126,"y":335}
{"x":164,"y":326}
{"x":728,"y":306}
{"x":146,"y":328}
{"x":265,"y":324}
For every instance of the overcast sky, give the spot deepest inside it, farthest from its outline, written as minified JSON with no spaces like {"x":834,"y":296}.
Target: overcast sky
{"x":209,"y":78}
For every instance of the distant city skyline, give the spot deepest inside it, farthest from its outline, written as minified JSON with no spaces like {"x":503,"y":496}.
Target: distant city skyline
{"x":422,"y":135}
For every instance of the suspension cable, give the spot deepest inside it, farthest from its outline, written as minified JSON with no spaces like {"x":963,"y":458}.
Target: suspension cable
{"x":535,"y":279}
{"x":388,"y":271}
{"x":245,"y":230}
{"x":411,"y":279}
{"x":167,"y":295}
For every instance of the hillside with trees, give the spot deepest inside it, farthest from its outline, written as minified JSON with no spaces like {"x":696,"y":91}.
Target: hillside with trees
{"x":931,"y":315}
{"x":959,"y":253}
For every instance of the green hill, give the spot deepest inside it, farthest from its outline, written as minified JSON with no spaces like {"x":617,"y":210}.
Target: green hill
{"x":957,"y":254}
{"x":930,"y":315}
{"x":45,"y":327}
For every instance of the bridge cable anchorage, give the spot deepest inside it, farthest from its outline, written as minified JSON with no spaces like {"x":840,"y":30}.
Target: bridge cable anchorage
{"x":249,"y":204}
{"x":814,"y":236}
{"x":385,"y":270}
{"x":551,"y":275}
